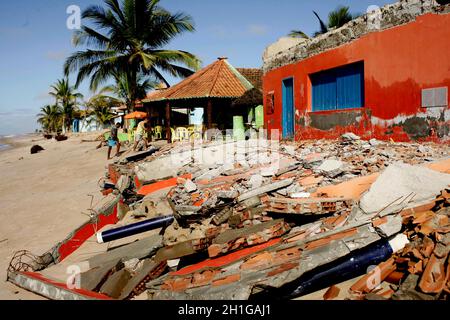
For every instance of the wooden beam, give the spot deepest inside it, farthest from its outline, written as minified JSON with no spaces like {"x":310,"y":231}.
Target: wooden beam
{"x":209,"y":114}
{"x":208,"y":119}
{"x":149,"y":124}
{"x":168,"y":132}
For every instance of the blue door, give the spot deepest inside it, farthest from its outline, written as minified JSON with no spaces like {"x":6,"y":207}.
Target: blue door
{"x":288,"y":109}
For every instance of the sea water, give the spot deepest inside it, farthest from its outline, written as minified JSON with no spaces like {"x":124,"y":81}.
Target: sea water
{"x":4,"y":146}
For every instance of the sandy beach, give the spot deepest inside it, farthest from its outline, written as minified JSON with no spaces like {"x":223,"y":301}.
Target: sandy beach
{"x":43,"y":195}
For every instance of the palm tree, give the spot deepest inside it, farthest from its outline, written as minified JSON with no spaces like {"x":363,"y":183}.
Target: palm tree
{"x":50,"y":118}
{"x":129,"y":40}
{"x":336,"y":19}
{"x":103,"y":115}
{"x":100,"y":107}
{"x":65,"y":96}
{"x":122,"y":88}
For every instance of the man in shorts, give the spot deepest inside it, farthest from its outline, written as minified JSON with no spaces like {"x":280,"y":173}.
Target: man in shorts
{"x":140,"y":134}
{"x":113,"y":140}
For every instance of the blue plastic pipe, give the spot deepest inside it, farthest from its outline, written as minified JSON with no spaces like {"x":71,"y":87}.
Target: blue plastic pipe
{"x":133,"y":229}
{"x":349,"y":267}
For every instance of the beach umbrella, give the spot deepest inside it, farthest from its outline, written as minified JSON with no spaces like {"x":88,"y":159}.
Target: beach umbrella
{"x":136,"y":115}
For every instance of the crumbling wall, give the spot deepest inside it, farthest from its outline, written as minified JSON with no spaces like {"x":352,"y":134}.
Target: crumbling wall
{"x":389,"y":16}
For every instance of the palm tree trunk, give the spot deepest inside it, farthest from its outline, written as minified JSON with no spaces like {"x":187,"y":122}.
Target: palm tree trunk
{"x":133,"y":87}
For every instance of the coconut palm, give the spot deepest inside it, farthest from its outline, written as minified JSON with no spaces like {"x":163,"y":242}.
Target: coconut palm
{"x":336,"y":19}
{"x":129,"y":38}
{"x":123,"y":91}
{"x":103,"y":115}
{"x":66,"y":97}
{"x":50,"y":118}
{"x":100,"y":107}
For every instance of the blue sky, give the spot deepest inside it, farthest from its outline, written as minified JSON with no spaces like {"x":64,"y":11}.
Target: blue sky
{"x":34,"y":42}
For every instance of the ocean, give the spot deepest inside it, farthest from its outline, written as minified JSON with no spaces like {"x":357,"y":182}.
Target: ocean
{"x":3,"y":145}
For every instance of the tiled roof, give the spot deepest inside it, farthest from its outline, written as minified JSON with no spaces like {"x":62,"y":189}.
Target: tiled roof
{"x":219,"y":80}
{"x":253,"y":75}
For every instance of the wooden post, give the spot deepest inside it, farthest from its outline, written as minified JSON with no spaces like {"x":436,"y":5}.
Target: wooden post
{"x":209,"y":114}
{"x":208,"y":120}
{"x":168,"y":132}
{"x":149,"y":124}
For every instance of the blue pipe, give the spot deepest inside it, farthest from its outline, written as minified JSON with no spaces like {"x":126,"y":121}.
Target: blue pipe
{"x":352,"y":265}
{"x":133,"y":229}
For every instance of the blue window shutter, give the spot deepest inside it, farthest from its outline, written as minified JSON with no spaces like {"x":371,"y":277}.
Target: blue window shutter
{"x":324,"y":91}
{"x":349,"y":82}
{"x":339,"y":88}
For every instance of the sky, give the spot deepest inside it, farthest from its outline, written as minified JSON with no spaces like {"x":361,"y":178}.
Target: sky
{"x":34,"y":42}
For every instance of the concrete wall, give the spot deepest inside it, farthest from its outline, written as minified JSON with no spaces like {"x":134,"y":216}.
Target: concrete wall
{"x":405,"y":49}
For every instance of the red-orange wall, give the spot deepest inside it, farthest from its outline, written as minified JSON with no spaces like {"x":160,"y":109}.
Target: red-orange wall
{"x":398,"y":64}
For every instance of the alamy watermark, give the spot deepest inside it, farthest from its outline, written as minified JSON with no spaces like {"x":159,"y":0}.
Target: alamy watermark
{"x":73,"y":21}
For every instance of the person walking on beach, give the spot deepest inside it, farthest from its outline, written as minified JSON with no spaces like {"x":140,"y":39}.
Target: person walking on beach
{"x":140,"y":133}
{"x":113,"y":140}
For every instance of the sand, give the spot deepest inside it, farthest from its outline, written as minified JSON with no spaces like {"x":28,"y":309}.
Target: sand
{"x":42,"y":196}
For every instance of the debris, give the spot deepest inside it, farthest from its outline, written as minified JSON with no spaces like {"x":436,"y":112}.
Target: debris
{"x":331,"y":168}
{"x":94,"y":278}
{"x":331,"y":293}
{"x":255,"y":181}
{"x":115,"y":284}
{"x":403,"y":186}
{"x":136,"y":250}
{"x":221,"y":236}
{"x":350,"y":136}
{"x":60,"y":137}
{"x":189,"y":186}
{"x":392,"y":226}
{"x":264,"y":189}
{"x":36,"y":149}
{"x":132,"y":229}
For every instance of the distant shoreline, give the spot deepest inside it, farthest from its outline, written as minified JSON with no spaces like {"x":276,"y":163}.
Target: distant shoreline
{"x":10,"y":142}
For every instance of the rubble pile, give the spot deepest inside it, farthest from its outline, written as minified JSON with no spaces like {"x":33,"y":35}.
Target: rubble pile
{"x":243,"y":216}
{"x":421,"y":270}
{"x":252,"y":219}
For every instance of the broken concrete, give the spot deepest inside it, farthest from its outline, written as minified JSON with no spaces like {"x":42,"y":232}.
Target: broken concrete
{"x":403,"y":186}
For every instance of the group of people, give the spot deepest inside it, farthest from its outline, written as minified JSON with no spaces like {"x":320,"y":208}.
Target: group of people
{"x":140,"y":136}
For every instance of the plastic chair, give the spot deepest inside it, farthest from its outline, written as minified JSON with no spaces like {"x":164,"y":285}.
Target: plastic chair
{"x":182,"y":133}
{"x":158,"y":132}
{"x":174,"y":135}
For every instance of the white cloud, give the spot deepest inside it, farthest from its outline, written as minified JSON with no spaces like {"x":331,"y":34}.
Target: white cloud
{"x":55,"y":55}
{"x":257,"y":29}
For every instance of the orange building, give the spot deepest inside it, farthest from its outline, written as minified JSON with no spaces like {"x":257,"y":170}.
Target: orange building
{"x":383,"y":75}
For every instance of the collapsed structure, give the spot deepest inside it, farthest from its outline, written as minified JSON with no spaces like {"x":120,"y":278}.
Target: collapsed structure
{"x":256,"y":219}
{"x":383,"y":75}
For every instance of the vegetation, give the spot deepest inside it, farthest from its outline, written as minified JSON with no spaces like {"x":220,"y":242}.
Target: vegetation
{"x":66,"y":101}
{"x":50,"y":118}
{"x":123,"y":42}
{"x":123,"y":88}
{"x":336,"y":19}
{"x":100,"y":108}
{"x":126,"y":42}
